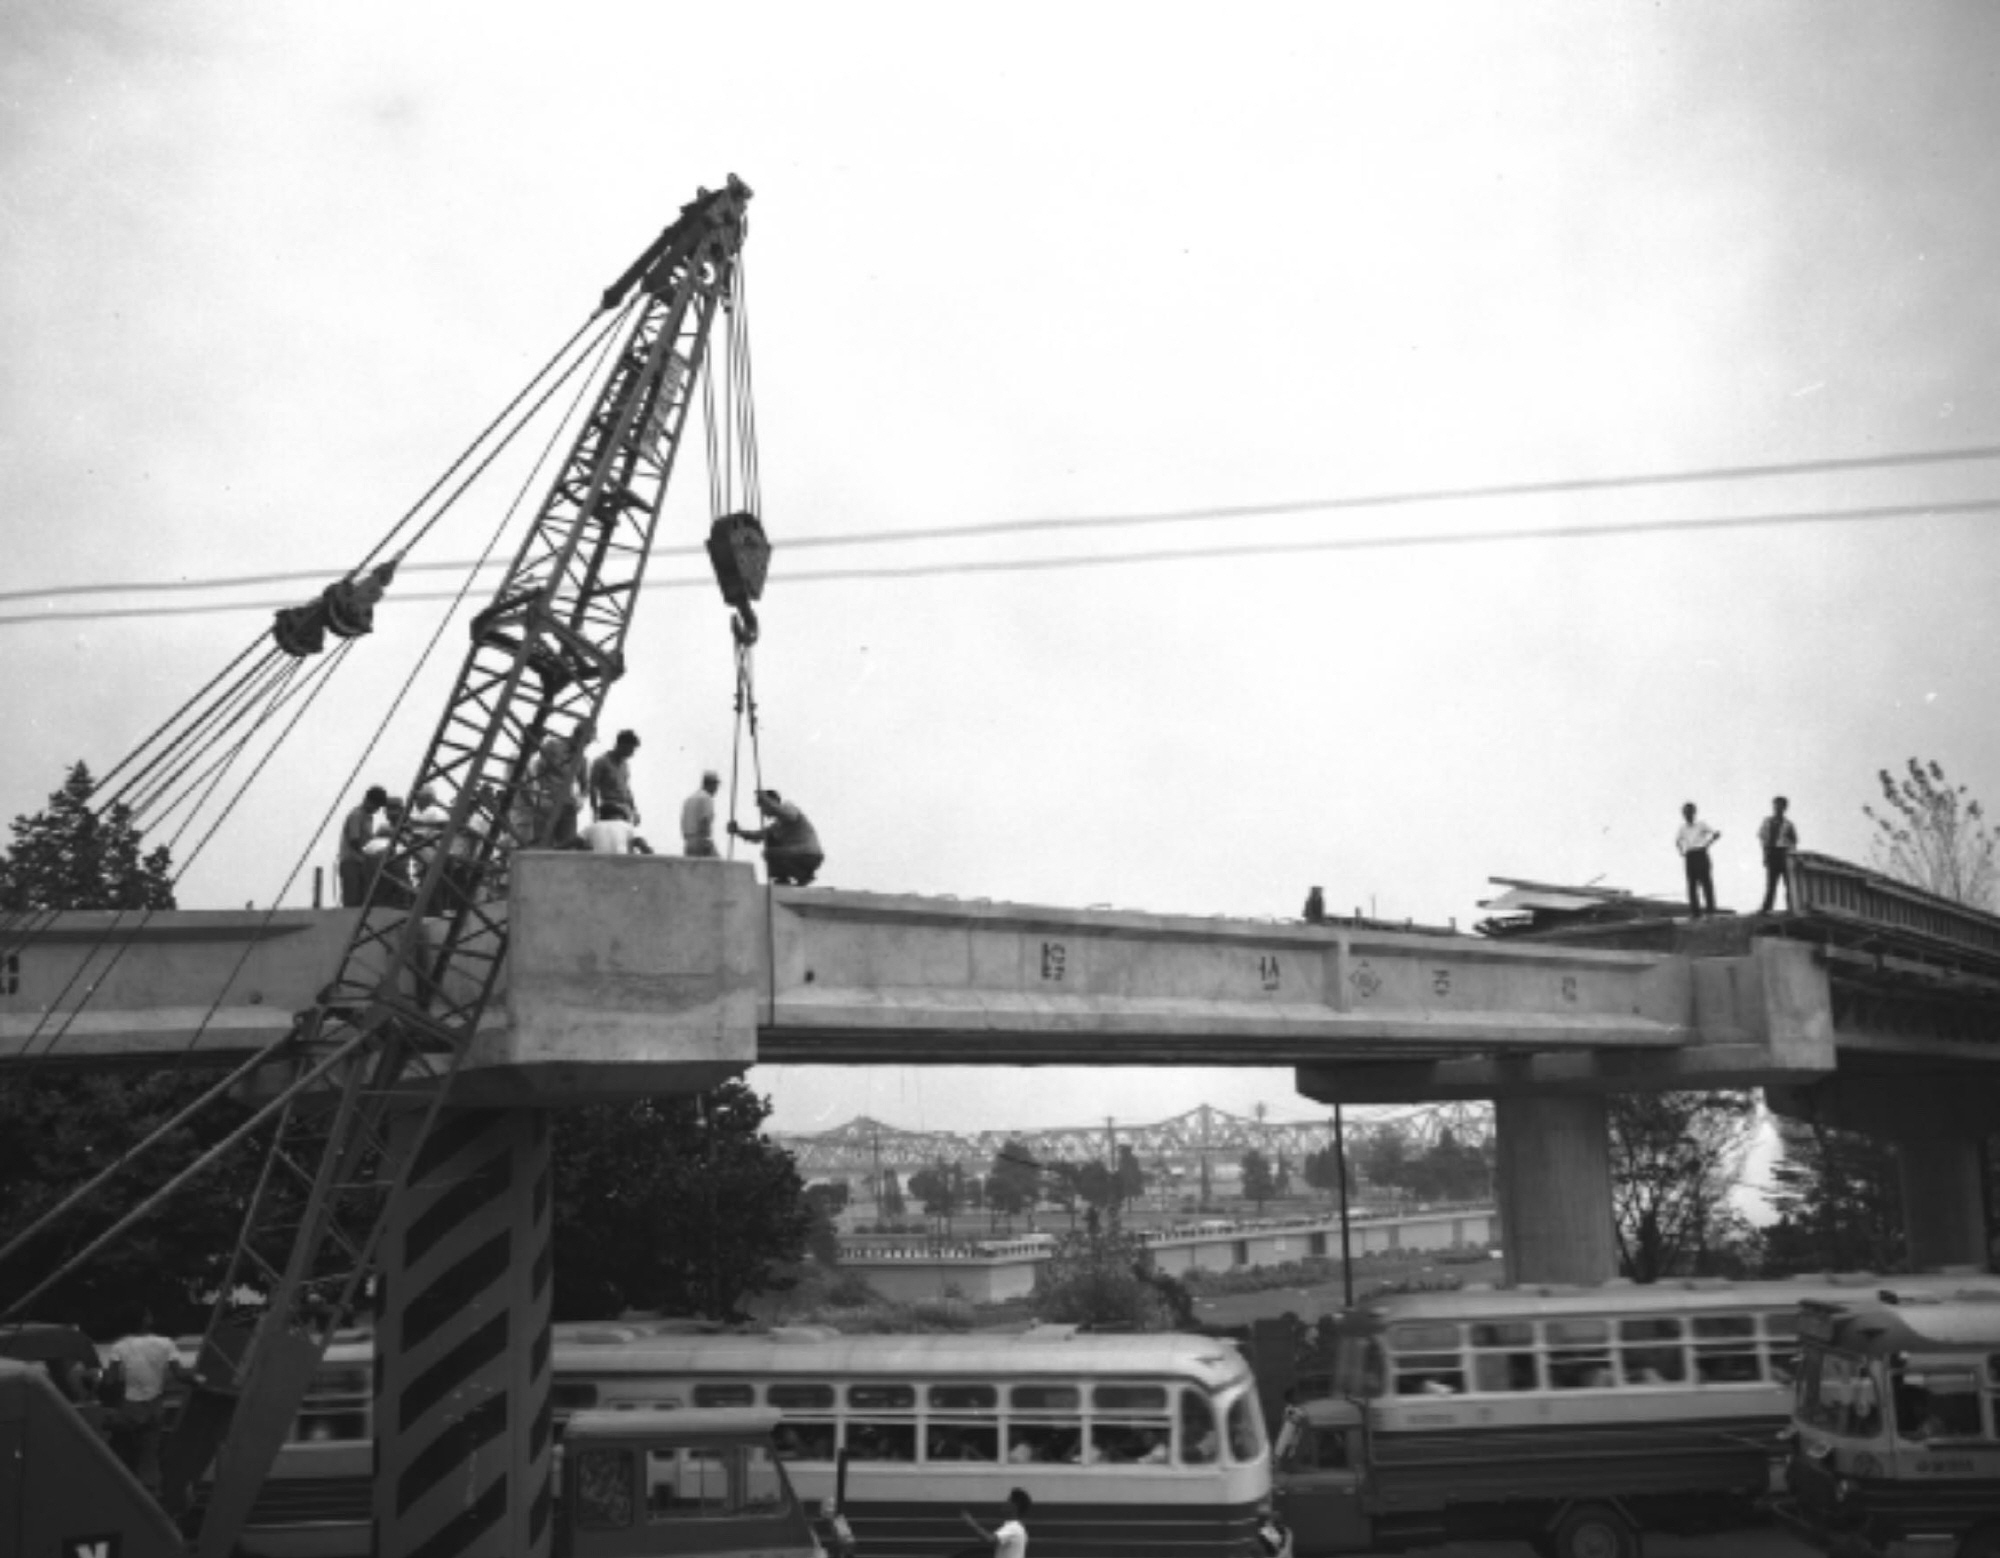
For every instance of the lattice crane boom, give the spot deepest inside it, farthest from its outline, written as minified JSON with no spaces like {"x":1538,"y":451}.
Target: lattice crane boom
{"x":417,"y":975}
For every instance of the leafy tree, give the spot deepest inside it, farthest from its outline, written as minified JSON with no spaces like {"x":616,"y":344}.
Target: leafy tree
{"x":1101,"y":1275}
{"x":1281,"y":1178}
{"x":1097,"y":1185}
{"x":1060,"y":1185}
{"x":889,"y":1195}
{"x":1012,"y":1185}
{"x":678,"y":1204}
{"x":937,"y":1187}
{"x":71,"y":857}
{"x":1383,"y":1156}
{"x":1837,"y":1200}
{"x":1258,"y":1184}
{"x":1130,"y":1177}
{"x":1934,"y":835}
{"x":59,"y":1128}
{"x":825,"y":1202}
{"x":1675,"y":1159}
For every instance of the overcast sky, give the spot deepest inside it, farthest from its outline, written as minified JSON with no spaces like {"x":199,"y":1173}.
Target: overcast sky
{"x":267,"y":269}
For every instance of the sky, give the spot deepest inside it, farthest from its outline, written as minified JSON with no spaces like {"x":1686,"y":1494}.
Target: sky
{"x":268,"y":270}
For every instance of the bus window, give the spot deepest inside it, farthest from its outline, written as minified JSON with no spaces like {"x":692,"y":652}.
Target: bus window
{"x":606,"y":1490}
{"x":804,"y":1441}
{"x":1938,"y":1404}
{"x":1199,"y":1445}
{"x":1130,"y":1425}
{"x":800,"y":1398}
{"x":1045,"y":1424}
{"x":1725,"y":1350}
{"x":1650,"y":1351}
{"x":1782,"y":1329}
{"x":881,"y":1441}
{"x":1579,"y":1354}
{"x":1840,"y":1397}
{"x":1503,"y":1357}
{"x":962,"y":1442}
{"x":734,"y":1394}
{"x":964,"y":1398}
{"x":1246,"y":1431}
{"x":687,"y":1483}
{"x":1427,"y":1360}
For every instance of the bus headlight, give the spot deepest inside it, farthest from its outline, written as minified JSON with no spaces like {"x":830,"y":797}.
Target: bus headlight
{"x":1843,"y":1489}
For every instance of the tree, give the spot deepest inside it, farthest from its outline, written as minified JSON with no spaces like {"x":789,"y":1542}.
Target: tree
{"x":59,"y":1128}
{"x":937,"y":1188}
{"x":1281,"y":1178}
{"x":1322,"y":1171}
{"x":1060,"y":1185}
{"x":1383,"y":1156}
{"x":678,"y":1204}
{"x":825,"y":1202}
{"x":1129,"y":1176}
{"x":1837,"y":1199}
{"x":1102,"y":1276}
{"x":71,"y":857}
{"x":1258,"y":1184}
{"x":1096,"y":1185}
{"x":1675,"y":1159}
{"x":1933,"y":834}
{"x":1011,"y":1186}
{"x":889,"y":1196}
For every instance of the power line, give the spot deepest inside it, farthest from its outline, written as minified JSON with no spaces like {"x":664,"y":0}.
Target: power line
{"x":1078,"y":522}
{"x":1441,"y":538}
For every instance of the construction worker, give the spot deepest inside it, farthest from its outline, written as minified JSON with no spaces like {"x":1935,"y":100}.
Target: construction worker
{"x":792,"y":854}
{"x":698,"y":818}
{"x":356,"y":863}
{"x":611,"y":781}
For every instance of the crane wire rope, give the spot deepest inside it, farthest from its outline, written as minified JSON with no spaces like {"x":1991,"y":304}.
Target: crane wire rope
{"x":327,"y":1063}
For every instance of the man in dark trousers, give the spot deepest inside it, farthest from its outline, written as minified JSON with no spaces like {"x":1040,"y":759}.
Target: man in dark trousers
{"x":1779,"y":839}
{"x":792,"y":854}
{"x":1693,"y":841}
{"x":357,"y":862}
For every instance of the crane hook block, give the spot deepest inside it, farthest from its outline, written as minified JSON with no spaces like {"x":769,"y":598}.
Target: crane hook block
{"x":345,"y":608}
{"x":741,"y":556}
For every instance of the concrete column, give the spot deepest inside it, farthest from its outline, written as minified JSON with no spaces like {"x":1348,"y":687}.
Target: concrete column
{"x":462,"y":1445}
{"x":1944,"y":1215}
{"x":1554,"y":1189}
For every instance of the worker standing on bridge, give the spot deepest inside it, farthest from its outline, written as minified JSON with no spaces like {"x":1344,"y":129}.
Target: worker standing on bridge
{"x":1779,"y":838}
{"x":355,"y":861}
{"x":698,"y":818}
{"x":1693,"y":841}
{"x":792,"y":854}
{"x":611,"y":782}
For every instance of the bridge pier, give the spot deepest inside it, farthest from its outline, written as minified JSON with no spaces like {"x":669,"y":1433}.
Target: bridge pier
{"x":1553,"y":1189}
{"x":1944,"y":1210}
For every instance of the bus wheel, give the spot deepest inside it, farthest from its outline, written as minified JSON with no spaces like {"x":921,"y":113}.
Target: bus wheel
{"x":1595,"y":1531}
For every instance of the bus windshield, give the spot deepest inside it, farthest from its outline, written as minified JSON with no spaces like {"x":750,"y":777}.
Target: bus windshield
{"x":1839,"y":1395}
{"x":1938,"y":1404}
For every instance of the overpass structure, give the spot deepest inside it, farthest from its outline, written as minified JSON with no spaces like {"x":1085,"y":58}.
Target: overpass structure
{"x":637,"y":974}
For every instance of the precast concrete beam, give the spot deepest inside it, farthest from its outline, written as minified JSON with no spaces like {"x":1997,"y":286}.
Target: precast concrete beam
{"x":866,"y":977}
{"x":1759,"y":1019}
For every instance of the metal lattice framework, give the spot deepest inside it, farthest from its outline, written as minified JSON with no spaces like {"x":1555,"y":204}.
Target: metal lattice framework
{"x":862,"y":1145}
{"x":391,"y":1027}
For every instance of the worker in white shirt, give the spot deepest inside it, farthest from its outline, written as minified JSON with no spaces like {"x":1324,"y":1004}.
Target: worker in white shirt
{"x":1010,"y":1539}
{"x":1693,"y":840}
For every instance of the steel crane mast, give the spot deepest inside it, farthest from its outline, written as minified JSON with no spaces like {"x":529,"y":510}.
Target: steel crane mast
{"x":382,"y":1042}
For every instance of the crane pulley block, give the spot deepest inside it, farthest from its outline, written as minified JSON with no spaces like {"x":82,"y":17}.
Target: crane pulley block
{"x":741,"y":555}
{"x":345,"y":608}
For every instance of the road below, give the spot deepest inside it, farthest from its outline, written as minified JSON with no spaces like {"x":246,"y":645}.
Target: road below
{"x":1762,"y":1542}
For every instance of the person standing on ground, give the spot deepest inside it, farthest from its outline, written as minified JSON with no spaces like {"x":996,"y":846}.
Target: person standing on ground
{"x":1692,"y":841}
{"x":1779,"y":838}
{"x":355,"y":862}
{"x":792,"y":856}
{"x":698,"y":818}
{"x":147,"y":1363}
{"x":1010,"y":1539}
{"x":611,"y":782}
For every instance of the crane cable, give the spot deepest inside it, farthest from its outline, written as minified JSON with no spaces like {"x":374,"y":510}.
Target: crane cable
{"x":325,"y":1064}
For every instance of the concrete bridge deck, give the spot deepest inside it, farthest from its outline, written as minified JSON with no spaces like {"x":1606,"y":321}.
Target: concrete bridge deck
{"x":620,"y":965}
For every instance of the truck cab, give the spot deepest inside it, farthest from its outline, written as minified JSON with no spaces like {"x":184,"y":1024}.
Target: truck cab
{"x":663,"y":1483}
{"x":1319,"y":1486}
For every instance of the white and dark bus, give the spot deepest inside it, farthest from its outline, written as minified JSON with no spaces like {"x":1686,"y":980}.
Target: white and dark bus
{"x":1131,"y":1446}
{"x":1570,"y":1418}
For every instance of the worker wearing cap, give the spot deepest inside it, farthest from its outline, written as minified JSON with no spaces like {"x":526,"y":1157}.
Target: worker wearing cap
{"x":792,"y":854}
{"x":698,"y":817}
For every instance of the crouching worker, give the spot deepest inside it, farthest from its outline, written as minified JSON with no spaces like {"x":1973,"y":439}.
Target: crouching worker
{"x":792,"y":854}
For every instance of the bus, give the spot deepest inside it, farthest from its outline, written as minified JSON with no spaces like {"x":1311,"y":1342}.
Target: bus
{"x":1571,"y":1418}
{"x":1896,"y":1427}
{"x":1131,"y":1446}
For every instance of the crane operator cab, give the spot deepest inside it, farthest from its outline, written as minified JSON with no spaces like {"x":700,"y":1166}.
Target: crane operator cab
{"x":667,"y":1483}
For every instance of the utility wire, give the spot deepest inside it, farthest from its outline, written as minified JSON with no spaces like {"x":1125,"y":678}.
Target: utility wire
{"x":1437,"y":539}
{"x":1078,"y":522}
